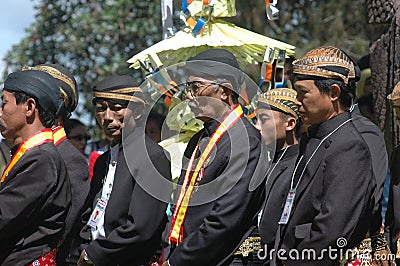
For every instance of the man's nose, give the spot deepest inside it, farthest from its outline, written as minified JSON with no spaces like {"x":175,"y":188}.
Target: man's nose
{"x":189,"y":96}
{"x":258,"y":125}
{"x":109,"y":114}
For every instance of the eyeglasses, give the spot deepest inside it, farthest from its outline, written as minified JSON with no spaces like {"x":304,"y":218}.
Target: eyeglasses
{"x":80,"y":137}
{"x":194,"y":87}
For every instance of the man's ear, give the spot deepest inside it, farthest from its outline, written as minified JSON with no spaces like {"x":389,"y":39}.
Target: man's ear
{"x":226,"y":91}
{"x":334,"y":93}
{"x":290,"y":123}
{"x":30,"y":106}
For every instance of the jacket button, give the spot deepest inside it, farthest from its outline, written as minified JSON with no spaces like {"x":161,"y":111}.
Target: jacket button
{"x":327,"y":144}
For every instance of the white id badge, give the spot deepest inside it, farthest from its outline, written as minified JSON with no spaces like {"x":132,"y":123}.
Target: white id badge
{"x":288,"y":207}
{"x":97,"y":213}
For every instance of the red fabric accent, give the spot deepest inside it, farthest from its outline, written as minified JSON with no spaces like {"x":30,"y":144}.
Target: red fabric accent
{"x":354,"y":263}
{"x":358,"y":262}
{"x":48,"y":259}
{"x":92,"y":160}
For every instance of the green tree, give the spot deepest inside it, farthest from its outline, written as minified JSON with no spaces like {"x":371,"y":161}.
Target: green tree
{"x":91,"y":38}
{"x":311,"y":23}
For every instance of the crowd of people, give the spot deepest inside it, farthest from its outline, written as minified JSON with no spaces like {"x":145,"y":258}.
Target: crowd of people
{"x":301,"y":185}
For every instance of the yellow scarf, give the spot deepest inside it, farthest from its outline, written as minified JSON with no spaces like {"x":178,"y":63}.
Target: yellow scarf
{"x":192,"y":173}
{"x":36,"y":139}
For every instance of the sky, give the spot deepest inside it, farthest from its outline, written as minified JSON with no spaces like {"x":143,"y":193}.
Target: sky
{"x":15,"y":16}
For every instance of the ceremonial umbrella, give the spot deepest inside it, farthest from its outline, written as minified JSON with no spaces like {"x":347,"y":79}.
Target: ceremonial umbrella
{"x":249,"y":47}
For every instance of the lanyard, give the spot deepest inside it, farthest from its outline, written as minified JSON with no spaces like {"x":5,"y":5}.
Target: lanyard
{"x":287,"y":209}
{"x":270,"y":171}
{"x":312,"y":155}
{"x":277,"y":162}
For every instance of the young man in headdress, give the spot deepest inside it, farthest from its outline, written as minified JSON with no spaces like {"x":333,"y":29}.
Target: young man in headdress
{"x":277,"y":118}
{"x":126,"y":216}
{"x":75,"y":161}
{"x":219,"y":198}
{"x":330,"y":200}
{"x":34,"y":188}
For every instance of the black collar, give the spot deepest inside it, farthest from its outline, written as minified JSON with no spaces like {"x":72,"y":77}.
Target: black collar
{"x":14,"y":149}
{"x":323,"y":129}
{"x":210,"y":127}
{"x":292,"y":150}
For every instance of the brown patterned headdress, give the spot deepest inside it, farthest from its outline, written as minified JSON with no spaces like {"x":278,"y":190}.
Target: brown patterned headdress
{"x":120,"y":89}
{"x":281,"y":99}
{"x":325,"y":62}
{"x":395,"y":95}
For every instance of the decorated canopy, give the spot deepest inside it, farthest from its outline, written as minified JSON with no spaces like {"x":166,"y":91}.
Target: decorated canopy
{"x":249,"y":47}
{"x":205,"y":29}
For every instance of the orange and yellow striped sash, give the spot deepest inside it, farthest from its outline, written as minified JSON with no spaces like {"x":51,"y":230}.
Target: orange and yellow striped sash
{"x":176,"y":231}
{"x":58,"y":135}
{"x":36,"y":139}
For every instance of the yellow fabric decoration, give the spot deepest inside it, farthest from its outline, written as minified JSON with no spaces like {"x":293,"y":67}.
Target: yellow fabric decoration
{"x":248,"y":47}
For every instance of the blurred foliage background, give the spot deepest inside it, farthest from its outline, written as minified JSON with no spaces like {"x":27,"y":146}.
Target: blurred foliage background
{"x":94,"y":38}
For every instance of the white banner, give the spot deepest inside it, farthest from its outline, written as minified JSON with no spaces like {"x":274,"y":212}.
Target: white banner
{"x":166,"y":12}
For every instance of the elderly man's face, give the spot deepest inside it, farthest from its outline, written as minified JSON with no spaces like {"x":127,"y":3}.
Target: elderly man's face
{"x":205,"y":98}
{"x":111,"y":118}
{"x":12,"y":116}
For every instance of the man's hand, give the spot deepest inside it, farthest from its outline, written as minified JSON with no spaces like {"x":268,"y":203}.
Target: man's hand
{"x":81,"y":261}
{"x":165,"y":263}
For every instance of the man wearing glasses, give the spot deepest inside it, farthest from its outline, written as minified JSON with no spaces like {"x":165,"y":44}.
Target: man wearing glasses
{"x":217,"y":203}
{"x":204,"y":98}
{"x":77,"y":134}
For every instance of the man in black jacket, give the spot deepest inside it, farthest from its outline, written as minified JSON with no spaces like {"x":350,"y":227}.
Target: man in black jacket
{"x":34,"y":188}
{"x":329,"y":205}
{"x":221,"y":188}
{"x":76,"y":162}
{"x":125,"y":219}
{"x":277,"y":117}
